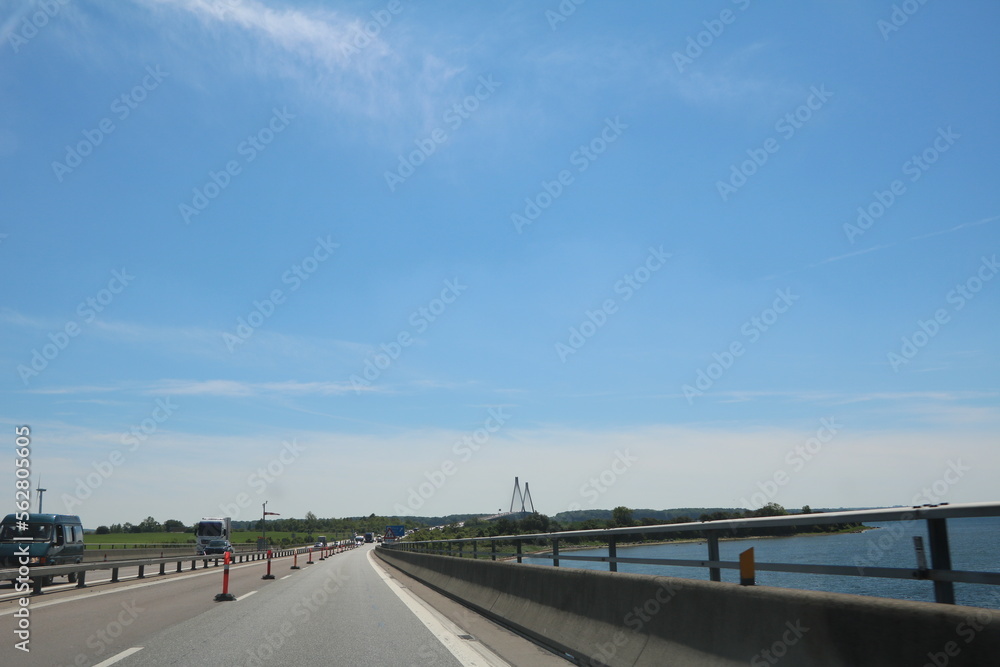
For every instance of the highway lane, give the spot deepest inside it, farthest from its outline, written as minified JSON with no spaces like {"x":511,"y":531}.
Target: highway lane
{"x":337,"y":611}
{"x":77,"y":627}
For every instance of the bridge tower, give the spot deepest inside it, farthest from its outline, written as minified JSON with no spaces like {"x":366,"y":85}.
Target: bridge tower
{"x":523,"y":496}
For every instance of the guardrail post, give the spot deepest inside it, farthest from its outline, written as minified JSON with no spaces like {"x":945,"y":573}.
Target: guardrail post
{"x":461,"y":549}
{"x":493,"y":549}
{"x":714,"y":573}
{"x":937,"y":533}
{"x":518,"y":550}
{"x":142,"y":572}
{"x":613,"y":553}
{"x":163,"y":567}
{"x":114,"y":575}
{"x":555,"y":552}
{"x":81,"y":579}
{"x":179,"y":566}
{"x":475,"y":551}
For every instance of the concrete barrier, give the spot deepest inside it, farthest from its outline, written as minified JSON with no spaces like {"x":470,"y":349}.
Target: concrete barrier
{"x":614,"y":619}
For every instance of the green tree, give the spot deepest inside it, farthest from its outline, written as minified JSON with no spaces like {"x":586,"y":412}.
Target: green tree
{"x":149,"y":525}
{"x":622,"y":516}
{"x":103,"y":530}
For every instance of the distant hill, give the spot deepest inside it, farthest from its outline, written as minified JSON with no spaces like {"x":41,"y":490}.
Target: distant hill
{"x":639,"y":514}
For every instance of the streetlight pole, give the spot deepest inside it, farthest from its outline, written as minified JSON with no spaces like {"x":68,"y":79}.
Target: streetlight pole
{"x":263,"y":527}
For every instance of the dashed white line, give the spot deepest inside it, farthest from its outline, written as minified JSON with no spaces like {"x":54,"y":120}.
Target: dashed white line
{"x":121,"y":656}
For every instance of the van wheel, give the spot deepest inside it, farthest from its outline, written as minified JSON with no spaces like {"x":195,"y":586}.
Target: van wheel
{"x":71,"y":577}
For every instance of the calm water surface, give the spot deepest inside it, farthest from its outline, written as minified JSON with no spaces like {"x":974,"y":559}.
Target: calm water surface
{"x":975,"y":545}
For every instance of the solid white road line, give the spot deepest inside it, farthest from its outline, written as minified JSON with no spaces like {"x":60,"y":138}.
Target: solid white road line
{"x":470,"y":654}
{"x":121,"y":656}
{"x":166,"y":579}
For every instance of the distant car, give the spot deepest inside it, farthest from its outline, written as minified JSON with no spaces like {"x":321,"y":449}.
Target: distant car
{"x":218,"y":547}
{"x":320,"y":545}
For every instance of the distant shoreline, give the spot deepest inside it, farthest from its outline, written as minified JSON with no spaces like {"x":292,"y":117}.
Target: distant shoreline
{"x":694,"y":540}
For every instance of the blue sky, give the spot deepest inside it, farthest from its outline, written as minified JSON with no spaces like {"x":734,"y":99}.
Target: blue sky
{"x":385,"y":256}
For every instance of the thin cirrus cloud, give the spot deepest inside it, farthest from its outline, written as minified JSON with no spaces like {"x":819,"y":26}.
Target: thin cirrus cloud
{"x":333,"y":56}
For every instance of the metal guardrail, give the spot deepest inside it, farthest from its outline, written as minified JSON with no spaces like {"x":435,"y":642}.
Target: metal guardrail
{"x":936,"y":516}
{"x":38,"y":574}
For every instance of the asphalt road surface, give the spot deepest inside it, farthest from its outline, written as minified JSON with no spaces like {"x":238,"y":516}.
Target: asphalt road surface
{"x":345,"y":610}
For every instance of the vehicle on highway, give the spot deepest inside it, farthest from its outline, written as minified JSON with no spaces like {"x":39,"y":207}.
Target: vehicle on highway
{"x":218,"y":547}
{"x":55,"y":539}
{"x":210,"y":529}
{"x":369,"y":537}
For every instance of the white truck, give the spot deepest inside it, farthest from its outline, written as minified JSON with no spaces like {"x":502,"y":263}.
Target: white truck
{"x":209,"y":529}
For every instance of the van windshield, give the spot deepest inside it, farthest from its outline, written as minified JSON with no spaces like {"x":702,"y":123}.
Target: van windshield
{"x":38,"y":532}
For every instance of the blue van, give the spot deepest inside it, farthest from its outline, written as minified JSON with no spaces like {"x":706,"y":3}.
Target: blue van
{"x":56,"y":539}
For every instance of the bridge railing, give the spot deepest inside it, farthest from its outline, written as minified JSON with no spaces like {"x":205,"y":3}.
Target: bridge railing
{"x":939,"y":572}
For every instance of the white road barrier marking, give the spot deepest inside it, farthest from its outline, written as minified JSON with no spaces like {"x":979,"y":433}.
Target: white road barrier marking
{"x":121,"y":656}
{"x":470,"y":654}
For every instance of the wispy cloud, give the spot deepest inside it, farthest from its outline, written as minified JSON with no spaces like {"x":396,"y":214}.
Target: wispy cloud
{"x":224,"y":388}
{"x":884,"y":246}
{"x":333,"y":56}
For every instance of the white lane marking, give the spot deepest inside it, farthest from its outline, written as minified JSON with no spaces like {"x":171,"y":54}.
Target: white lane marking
{"x":91,"y":594}
{"x":470,"y":654}
{"x":121,"y":656}
{"x":285,"y":577}
{"x":245,"y":596}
